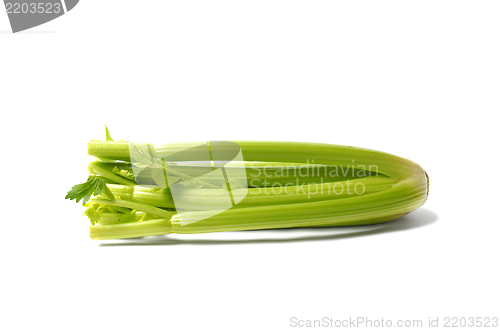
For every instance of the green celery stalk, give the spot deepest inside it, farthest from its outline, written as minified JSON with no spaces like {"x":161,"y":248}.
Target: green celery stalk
{"x":254,"y":196}
{"x":393,"y":187}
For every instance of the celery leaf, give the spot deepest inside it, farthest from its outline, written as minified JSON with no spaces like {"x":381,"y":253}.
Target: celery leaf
{"x":108,"y":136}
{"x":93,"y":186}
{"x":92,"y":213}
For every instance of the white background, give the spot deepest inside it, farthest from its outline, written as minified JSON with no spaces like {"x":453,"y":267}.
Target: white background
{"x":418,"y":79}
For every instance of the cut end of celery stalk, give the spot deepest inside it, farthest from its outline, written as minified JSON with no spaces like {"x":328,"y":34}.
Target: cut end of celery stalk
{"x":154,"y":227}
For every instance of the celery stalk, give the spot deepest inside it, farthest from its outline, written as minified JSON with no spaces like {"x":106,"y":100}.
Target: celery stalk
{"x":392,"y":187}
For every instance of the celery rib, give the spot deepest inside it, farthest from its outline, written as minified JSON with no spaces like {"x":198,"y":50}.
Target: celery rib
{"x":131,"y":230}
{"x":137,"y":206}
{"x":401,"y":199}
{"x":203,"y":199}
{"x":393,"y":187}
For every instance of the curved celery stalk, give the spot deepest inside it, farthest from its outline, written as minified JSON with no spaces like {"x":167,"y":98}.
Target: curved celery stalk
{"x":110,"y":175}
{"x":289,"y":194}
{"x":401,"y":188}
{"x":131,"y":230}
{"x":379,"y":207}
{"x":293,"y":152}
{"x":258,"y":174}
{"x":389,"y":204}
{"x":135,"y":206}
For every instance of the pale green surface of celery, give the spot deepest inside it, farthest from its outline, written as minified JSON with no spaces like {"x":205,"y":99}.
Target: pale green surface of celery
{"x":395,"y":187}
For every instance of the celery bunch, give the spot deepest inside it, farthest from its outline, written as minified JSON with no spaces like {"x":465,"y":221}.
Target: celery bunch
{"x":344,"y":186}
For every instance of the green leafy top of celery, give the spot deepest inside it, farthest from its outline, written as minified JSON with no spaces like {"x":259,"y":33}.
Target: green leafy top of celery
{"x":94,"y":186}
{"x":92,"y":213}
